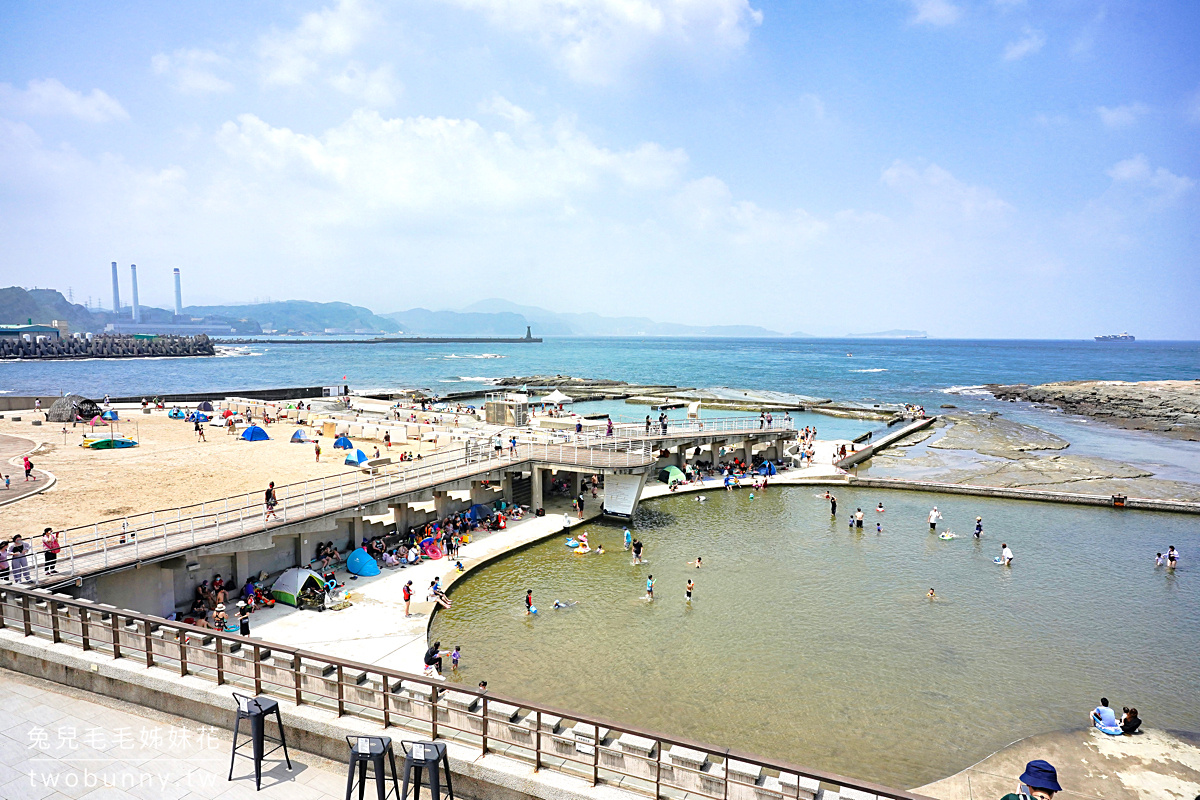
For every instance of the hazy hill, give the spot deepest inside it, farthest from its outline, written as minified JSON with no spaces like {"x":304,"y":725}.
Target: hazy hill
{"x":302,"y":315}
{"x":18,"y":306}
{"x":553,"y":323}
{"x":454,"y":323}
{"x":892,"y":334}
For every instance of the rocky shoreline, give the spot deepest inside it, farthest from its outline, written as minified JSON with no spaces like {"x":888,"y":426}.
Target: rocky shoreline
{"x":1171,"y":408}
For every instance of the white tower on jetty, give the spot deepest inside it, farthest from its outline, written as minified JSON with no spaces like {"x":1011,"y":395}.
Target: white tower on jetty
{"x":137,"y":313}
{"x":178,"y":295}
{"x":116,"y":291}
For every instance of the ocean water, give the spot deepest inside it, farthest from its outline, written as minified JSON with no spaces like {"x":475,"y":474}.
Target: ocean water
{"x":814,"y":643}
{"x":912,"y":370}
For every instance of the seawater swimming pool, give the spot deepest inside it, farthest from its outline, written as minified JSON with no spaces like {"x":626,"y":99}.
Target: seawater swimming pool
{"x":808,"y":641}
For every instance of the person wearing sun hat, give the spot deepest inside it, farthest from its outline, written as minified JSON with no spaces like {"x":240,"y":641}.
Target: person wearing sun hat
{"x":1038,"y":781}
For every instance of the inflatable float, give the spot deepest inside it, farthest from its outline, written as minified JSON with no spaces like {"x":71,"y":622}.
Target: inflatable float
{"x":572,"y":542}
{"x":947,"y":536}
{"x":583,"y":548}
{"x":430,"y":549}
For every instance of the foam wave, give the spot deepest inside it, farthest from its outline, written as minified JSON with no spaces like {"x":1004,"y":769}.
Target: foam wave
{"x":967,"y":391}
{"x":482,"y":355}
{"x":877,"y":369}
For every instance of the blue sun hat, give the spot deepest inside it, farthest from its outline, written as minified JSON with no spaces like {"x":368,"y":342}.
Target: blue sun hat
{"x":1040,"y":774}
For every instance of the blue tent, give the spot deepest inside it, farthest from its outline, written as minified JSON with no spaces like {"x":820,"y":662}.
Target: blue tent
{"x":356,"y":458}
{"x":110,"y":414}
{"x":298,"y":437}
{"x":479,"y":511}
{"x":767,"y":468}
{"x":175,"y":413}
{"x":198,"y":417}
{"x":204,"y":406}
{"x":343,"y":443}
{"x":360,"y":563}
{"x":255,"y":434}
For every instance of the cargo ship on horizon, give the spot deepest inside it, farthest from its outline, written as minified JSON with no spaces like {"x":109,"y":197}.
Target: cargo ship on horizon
{"x":1116,"y":337}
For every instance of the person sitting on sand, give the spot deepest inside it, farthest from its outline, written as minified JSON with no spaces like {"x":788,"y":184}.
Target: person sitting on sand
{"x":1130,"y":721}
{"x":1103,"y":716}
{"x":390,"y":559}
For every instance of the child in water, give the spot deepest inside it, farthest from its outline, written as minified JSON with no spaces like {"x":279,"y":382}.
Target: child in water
{"x":649,"y":587}
{"x":1158,"y":559}
{"x":457,"y":654}
{"x":698,"y":563}
{"x":932,"y":595}
{"x":690,"y":586}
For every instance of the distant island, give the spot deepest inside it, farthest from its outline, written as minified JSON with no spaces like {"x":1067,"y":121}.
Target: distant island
{"x":892,"y":334}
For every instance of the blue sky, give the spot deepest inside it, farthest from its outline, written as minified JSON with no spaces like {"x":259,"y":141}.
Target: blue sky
{"x":984,"y":168}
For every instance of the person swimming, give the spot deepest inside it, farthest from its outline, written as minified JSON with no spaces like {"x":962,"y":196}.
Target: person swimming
{"x":879,"y":508}
{"x":698,"y":563}
{"x":931,"y":594}
{"x":599,"y":550}
{"x":567,"y":604}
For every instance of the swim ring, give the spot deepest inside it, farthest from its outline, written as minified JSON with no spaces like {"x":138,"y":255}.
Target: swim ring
{"x":572,"y":542}
{"x":583,"y":548}
{"x":947,"y":536}
{"x":1111,"y":730}
{"x":432,"y":551}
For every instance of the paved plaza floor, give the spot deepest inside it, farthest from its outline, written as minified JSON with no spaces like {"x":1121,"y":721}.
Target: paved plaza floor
{"x":58,"y":743}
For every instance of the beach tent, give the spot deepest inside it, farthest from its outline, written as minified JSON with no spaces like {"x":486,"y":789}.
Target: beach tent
{"x":343,"y":443}
{"x":227,"y":413}
{"x":360,"y":563}
{"x":557,"y":397}
{"x":298,"y":437}
{"x":356,"y":458}
{"x":175,"y":413}
{"x":288,"y":586}
{"x":478,"y":512}
{"x":111,"y":414}
{"x":671,"y":473}
{"x":198,"y":417}
{"x":255,"y":434}
{"x":204,"y":406}
{"x":767,"y":468}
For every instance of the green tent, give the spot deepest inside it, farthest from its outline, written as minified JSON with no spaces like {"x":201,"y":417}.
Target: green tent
{"x":288,"y":586}
{"x":670,"y":474}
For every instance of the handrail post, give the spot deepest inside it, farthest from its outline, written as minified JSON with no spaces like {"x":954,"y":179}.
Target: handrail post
{"x":54,"y":630}
{"x":658,"y":769}
{"x":26,"y":622}
{"x":296,"y":679}
{"x":485,"y":726}
{"x":115,"y":622}
{"x":537,"y":751}
{"x":148,"y":643}
{"x":433,"y":701}
{"x":220,"y":649}
{"x":85,"y":640}
{"x":596,"y":757}
{"x":183,"y":659}
{"x":341,"y":695}
{"x":257,"y":670}
{"x":386,"y":683}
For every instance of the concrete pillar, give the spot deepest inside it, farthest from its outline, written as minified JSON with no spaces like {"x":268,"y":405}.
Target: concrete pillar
{"x":442,"y":504}
{"x":576,"y":483}
{"x":241,"y":567}
{"x":506,"y":487}
{"x":480,"y":493}
{"x":715,"y":455}
{"x":347,"y":533}
{"x":535,"y":485}
{"x":401,"y":516}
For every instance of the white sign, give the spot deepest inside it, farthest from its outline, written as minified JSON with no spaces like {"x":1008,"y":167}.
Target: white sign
{"x":621,"y":493}
{"x":364,"y":745}
{"x":418,"y":752}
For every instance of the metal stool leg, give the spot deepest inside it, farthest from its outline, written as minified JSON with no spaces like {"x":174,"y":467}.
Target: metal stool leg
{"x":258,"y":730}
{"x":395,"y":785}
{"x":350,"y":780}
{"x":417,"y":783}
{"x":362,"y":779}
{"x":237,"y":723}
{"x":283,"y":739}
{"x":380,"y":775}
{"x":449,"y":784}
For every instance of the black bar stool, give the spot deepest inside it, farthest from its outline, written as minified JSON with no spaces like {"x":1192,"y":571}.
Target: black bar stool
{"x":371,"y":750}
{"x":426,"y":756}
{"x":256,"y":710}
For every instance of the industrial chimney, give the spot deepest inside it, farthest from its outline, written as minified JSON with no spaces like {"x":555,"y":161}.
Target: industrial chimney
{"x":116,"y":292}
{"x":137,"y":312}
{"x":178,"y":295}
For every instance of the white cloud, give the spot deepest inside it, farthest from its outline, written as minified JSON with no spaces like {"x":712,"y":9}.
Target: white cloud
{"x":377,"y":88}
{"x":935,"y":189}
{"x":707,"y":206}
{"x":290,"y":58}
{"x":1159,"y":186}
{"x":1031,"y":41}
{"x":440,"y":166}
{"x":48,"y":97}
{"x":596,"y":40}
{"x":1122,"y":116}
{"x":193,"y":71}
{"x":935,"y":12}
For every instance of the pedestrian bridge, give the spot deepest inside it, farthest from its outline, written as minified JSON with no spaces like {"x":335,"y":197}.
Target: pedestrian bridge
{"x":123,"y":542}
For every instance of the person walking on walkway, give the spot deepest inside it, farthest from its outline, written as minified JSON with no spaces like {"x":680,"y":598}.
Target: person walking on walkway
{"x":29,"y":469}
{"x":579,"y":502}
{"x":19,"y":560}
{"x":270,"y":501}
{"x":407,"y":592}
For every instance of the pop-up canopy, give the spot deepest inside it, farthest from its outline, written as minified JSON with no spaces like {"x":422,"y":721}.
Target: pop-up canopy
{"x":557,"y":397}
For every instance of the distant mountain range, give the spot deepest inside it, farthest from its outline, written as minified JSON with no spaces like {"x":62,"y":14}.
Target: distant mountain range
{"x":484,"y":318}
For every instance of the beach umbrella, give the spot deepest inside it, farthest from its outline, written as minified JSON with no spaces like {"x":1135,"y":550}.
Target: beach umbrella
{"x":356,"y":458}
{"x":343,"y":443}
{"x":254,"y":434}
{"x":110,"y":414}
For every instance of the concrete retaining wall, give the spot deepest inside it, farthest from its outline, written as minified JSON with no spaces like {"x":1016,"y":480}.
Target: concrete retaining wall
{"x":1016,"y":493}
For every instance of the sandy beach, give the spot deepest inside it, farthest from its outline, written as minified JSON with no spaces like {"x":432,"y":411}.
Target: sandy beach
{"x":169,"y":468}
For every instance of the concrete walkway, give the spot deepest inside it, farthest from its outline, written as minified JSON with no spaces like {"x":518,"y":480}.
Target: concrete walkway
{"x":11,"y":450}
{"x":374,"y":630}
{"x":1154,"y":765}
{"x":58,"y":743}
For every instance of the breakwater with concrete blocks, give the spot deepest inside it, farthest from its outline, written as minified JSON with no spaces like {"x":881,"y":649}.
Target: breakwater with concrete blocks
{"x":106,"y":346}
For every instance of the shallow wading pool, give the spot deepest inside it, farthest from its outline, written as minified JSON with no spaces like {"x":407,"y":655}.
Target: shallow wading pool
{"x":811,"y":642}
